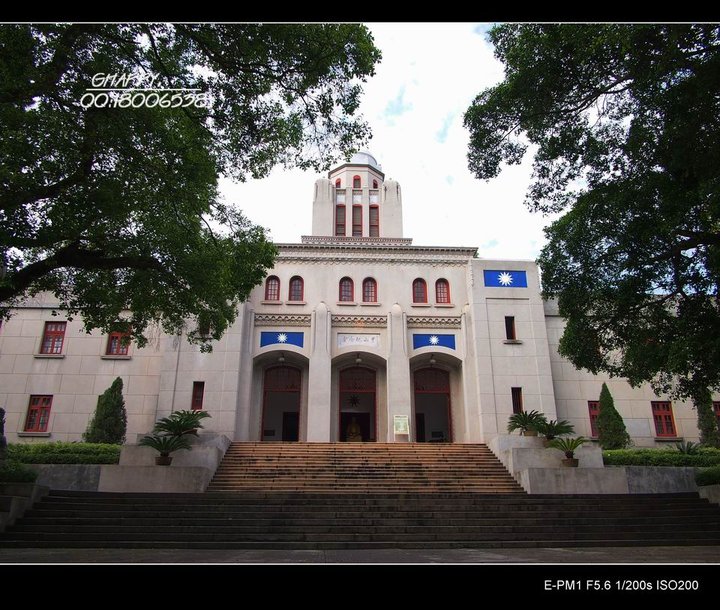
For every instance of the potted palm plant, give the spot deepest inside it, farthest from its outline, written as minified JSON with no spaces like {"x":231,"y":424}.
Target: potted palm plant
{"x":165,"y":445}
{"x":568,"y":447}
{"x":181,"y":422}
{"x":552,"y":429}
{"x":526,"y":422}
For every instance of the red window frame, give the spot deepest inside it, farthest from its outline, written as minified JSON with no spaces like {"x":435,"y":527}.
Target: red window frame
{"x":296,"y":289}
{"x":272,"y":288}
{"x":38,"y":413}
{"x":369,"y":290}
{"x":198,"y":395}
{"x":338,"y":183}
{"x":357,"y":221}
{"x":375,"y":184}
{"x":346,"y":292}
{"x":116,"y":346}
{"x":419,"y":288}
{"x":340,"y":219}
{"x":716,"y":408}
{"x":53,"y":338}
{"x":442,"y":291}
{"x":510,"y":333}
{"x":593,"y":412}
{"x":663,"y":417}
{"x":356,"y":182}
{"x":517,"y":400}
{"x":374,"y":221}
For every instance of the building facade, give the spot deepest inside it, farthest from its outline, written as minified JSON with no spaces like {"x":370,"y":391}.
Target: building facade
{"x":355,"y":335}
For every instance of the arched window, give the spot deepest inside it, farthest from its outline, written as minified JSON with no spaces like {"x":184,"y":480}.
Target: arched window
{"x":297,"y":289}
{"x":339,"y":220}
{"x":442,"y":291}
{"x":272,"y":289}
{"x":338,"y":183}
{"x":419,"y":291}
{"x":356,"y":182}
{"x":374,"y":221}
{"x":369,"y":290}
{"x":346,"y":290}
{"x":375,"y":184}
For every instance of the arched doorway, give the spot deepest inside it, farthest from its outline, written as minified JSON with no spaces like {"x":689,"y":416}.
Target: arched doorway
{"x":281,"y":404}
{"x":357,"y":405}
{"x":433,"y":422}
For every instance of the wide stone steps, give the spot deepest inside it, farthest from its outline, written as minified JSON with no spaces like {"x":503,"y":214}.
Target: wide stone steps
{"x":336,"y":521}
{"x":362,"y":467}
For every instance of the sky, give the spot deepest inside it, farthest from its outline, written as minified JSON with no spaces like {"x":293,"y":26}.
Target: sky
{"x":427,"y":78}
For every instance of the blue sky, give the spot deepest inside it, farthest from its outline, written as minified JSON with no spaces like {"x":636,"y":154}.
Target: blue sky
{"x":429,"y":74}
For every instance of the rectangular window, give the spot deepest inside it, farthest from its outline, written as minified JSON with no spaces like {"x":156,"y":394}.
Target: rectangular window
{"x":716,"y":408}
{"x":510,"y":328}
{"x":197,"y":395}
{"x":38,"y":414}
{"x":517,"y":401}
{"x":374,"y":221}
{"x":118,"y":344}
{"x":53,"y":338}
{"x":357,"y":221}
{"x":339,"y":220}
{"x":594,"y":411}
{"x":663,"y":417}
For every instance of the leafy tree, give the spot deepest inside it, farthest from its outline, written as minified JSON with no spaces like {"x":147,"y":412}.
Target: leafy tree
{"x":115,"y":210}
{"x":612,"y":433}
{"x":623,"y":123}
{"x":707,"y":421}
{"x":109,"y":423}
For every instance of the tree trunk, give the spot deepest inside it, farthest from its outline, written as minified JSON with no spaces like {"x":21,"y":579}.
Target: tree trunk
{"x":707,"y":422}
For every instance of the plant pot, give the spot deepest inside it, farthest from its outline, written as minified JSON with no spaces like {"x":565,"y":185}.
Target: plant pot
{"x":546,"y":442}
{"x":531,"y":433}
{"x":163,"y":460}
{"x":570,"y":462}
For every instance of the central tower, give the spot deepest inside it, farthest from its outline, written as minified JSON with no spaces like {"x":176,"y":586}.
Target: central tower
{"x":355,"y":200}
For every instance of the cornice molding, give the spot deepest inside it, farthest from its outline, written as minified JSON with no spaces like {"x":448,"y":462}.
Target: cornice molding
{"x":434,"y":321}
{"x":281,"y":319}
{"x":359,"y":321}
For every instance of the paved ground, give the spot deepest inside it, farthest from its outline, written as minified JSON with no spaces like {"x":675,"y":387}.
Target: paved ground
{"x":680,"y":554}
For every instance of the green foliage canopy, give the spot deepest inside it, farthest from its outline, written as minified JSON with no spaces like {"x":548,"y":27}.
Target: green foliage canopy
{"x":116,"y":210}
{"x":623,"y":124}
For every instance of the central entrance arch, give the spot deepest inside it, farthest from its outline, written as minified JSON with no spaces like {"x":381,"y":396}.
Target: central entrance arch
{"x":357,"y":405}
{"x":433,"y":422}
{"x":281,"y":404}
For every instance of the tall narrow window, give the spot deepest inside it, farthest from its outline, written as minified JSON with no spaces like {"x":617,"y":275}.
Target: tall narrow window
{"x":339,"y":220}
{"x":442,"y":291}
{"x":38,"y":414}
{"x":663,"y":417}
{"x":296,"y":290}
{"x":419,"y":291}
{"x":375,"y":184}
{"x":53,"y":338}
{"x":510,"y":328}
{"x":346,"y":290}
{"x":357,"y":221}
{"x":594,"y":411}
{"x":338,"y":183}
{"x":356,"y":182}
{"x":272,"y":289}
{"x":369,"y":290}
{"x":198,"y":394}
{"x":374,"y":221}
{"x":118,"y":344}
{"x":716,"y":408}
{"x":517,"y":400}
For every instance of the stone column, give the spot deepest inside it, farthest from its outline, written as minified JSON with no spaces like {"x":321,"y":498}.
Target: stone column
{"x":398,"y":375}
{"x":319,"y":401}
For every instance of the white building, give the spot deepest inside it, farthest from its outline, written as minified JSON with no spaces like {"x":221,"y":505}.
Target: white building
{"x":356,"y":333}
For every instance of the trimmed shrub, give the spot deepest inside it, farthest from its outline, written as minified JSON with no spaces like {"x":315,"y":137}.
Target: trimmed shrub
{"x":109,"y":423}
{"x":64,"y":453}
{"x":660,"y":457}
{"x":612,"y":433}
{"x":708,"y":476}
{"x":15,"y":472}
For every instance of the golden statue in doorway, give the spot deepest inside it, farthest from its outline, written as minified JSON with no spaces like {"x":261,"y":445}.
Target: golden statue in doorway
{"x":354,"y":432}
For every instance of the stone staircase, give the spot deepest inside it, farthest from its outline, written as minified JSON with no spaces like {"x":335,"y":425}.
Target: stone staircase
{"x":276,"y":520}
{"x":362,"y":467}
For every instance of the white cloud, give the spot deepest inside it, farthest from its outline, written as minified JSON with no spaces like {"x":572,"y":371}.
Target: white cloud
{"x":429,"y":75}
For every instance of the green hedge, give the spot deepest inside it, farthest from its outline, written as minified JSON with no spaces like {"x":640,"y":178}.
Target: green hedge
{"x":660,"y":457}
{"x":15,"y":472}
{"x":708,"y":476}
{"x":64,"y":453}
